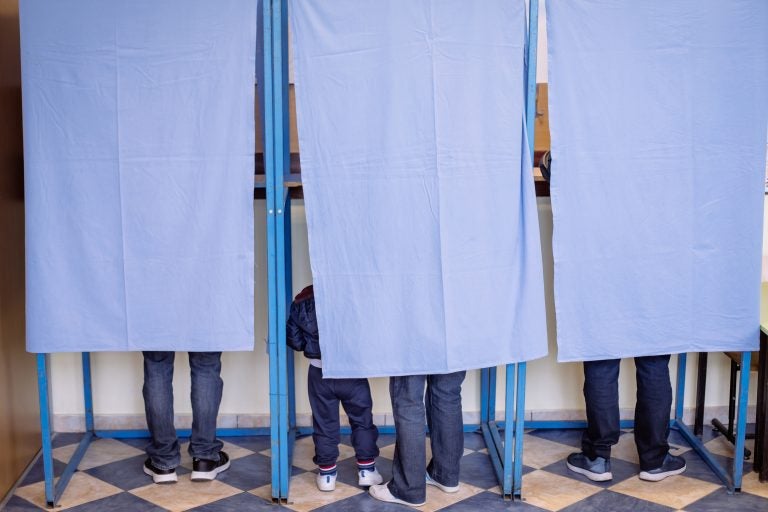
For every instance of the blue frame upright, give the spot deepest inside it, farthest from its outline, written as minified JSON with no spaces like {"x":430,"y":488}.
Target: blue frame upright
{"x":510,"y":449}
{"x":277,"y":169}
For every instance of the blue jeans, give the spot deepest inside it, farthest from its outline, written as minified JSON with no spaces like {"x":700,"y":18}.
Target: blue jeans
{"x":355,"y":397}
{"x":442,"y":407}
{"x":654,"y":401}
{"x":207,"y":386}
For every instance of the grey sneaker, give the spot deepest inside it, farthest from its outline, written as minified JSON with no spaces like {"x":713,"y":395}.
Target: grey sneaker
{"x":672,"y":465}
{"x":597,"y":469}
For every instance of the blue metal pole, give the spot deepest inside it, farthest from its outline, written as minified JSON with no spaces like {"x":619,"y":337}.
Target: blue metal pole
{"x":741,"y":421}
{"x":510,"y":433}
{"x":492,"y":374}
{"x":484,"y":386}
{"x":269,"y":172}
{"x":530,"y":118}
{"x":43,"y":390}
{"x":531,"y":58}
{"x":289,"y":291}
{"x":680,"y":394}
{"x":87,"y":392}
{"x":519,"y":430}
{"x":282,"y":159}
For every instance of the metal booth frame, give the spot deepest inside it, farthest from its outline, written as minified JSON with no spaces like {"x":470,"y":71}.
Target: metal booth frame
{"x":278,"y":180}
{"x":505,"y":445}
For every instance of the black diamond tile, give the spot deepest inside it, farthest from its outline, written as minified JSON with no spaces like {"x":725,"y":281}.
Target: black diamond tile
{"x":238,"y":503}
{"x":66,"y":438}
{"x":489,"y":502}
{"x":127,"y":474}
{"x":36,"y":473}
{"x":361,"y":503}
{"x":248,"y":472}
{"x":675,"y":438}
{"x":697,"y":468}
{"x":613,"y":501}
{"x":16,"y":504}
{"x":570,"y":437}
{"x":123,"y":502}
{"x":721,"y":501}
{"x":253,"y":443}
{"x":476,"y":469}
{"x":621,"y":470}
{"x":474,"y":441}
{"x":139,"y":443}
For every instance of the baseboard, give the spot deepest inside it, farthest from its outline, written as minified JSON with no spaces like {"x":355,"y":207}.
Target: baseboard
{"x":76,"y":422}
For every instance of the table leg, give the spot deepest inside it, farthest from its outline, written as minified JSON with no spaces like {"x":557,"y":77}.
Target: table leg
{"x":701,"y":384}
{"x":761,"y":427}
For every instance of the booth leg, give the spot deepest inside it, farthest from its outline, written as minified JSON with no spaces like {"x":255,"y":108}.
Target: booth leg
{"x":43,"y":388}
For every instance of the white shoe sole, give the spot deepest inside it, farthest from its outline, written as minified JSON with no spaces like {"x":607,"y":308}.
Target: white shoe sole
{"x":207,"y":476}
{"x":595,"y":477}
{"x":657,"y":477}
{"x":444,"y":488}
{"x":170,"y":478}
{"x":381,"y":492}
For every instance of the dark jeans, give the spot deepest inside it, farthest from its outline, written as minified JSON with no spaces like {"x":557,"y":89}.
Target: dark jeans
{"x":207,"y":386}
{"x":355,"y":397}
{"x":442,"y":407}
{"x":654,"y":401}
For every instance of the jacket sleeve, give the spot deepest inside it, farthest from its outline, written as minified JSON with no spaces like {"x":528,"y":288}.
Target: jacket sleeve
{"x":294,"y":335}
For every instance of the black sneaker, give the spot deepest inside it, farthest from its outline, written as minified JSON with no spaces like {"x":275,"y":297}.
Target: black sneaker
{"x":672,"y":465}
{"x":597,"y":469}
{"x":206,"y":470}
{"x":159,"y":476}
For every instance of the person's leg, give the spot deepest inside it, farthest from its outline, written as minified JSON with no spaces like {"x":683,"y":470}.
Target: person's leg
{"x":601,"y":394}
{"x":446,"y":428}
{"x":355,"y":396}
{"x":325,"y":426}
{"x":206,"y":392}
{"x":654,"y":402}
{"x":325,"y":418}
{"x":163,"y":448}
{"x":409,"y":465}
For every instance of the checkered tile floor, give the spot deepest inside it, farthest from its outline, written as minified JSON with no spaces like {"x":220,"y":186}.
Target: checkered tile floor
{"x":110,"y":478}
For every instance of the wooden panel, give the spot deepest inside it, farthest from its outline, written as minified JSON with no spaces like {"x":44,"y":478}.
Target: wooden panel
{"x":19,"y":420}
{"x":541,"y":125}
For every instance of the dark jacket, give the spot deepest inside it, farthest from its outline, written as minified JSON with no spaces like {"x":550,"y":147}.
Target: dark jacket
{"x":301,"y":331}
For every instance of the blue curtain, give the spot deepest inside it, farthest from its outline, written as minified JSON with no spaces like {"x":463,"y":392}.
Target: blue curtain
{"x":423,"y":229}
{"x":139,"y":142}
{"x":658,"y":115}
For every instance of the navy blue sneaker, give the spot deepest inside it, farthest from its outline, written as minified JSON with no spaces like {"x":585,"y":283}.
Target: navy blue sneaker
{"x":672,"y":465}
{"x":597,"y":469}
